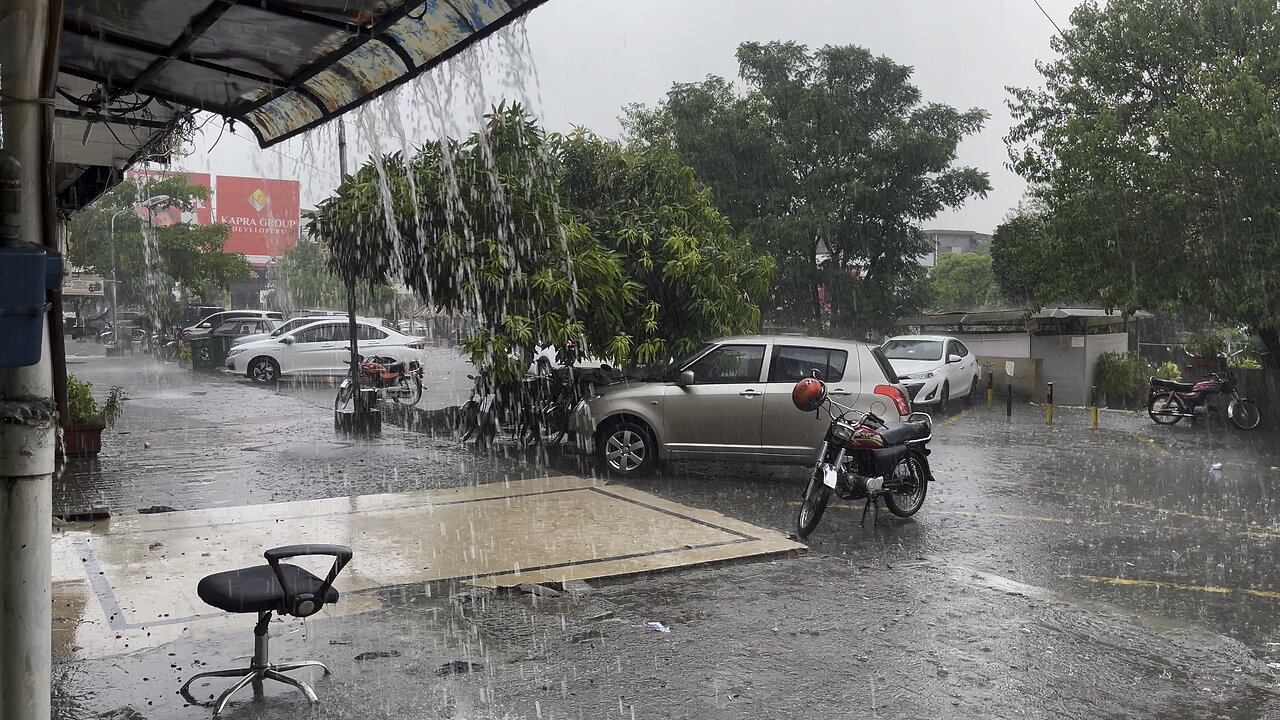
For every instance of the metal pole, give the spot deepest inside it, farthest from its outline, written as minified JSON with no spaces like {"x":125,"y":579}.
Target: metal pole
{"x":1048,"y":406}
{"x":29,"y":433}
{"x":1008,"y":401}
{"x":115,"y":292}
{"x":1093,"y":407}
{"x":357,"y":398}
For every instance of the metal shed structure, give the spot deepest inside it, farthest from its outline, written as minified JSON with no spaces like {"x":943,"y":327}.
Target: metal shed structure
{"x":1063,"y":343}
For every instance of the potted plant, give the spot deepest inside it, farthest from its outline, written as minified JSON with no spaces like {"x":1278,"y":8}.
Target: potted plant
{"x":1205,"y":349}
{"x":88,"y":419}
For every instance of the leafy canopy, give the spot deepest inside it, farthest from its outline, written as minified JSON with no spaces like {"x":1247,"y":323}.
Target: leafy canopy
{"x":826,"y":152}
{"x":1153,"y":147}
{"x":963,"y":282}
{"x":159,"y":267}
{"x":546,"y":239}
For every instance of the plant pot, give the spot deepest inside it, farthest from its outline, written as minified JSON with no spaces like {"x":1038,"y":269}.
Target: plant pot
{"x":82,"y":440}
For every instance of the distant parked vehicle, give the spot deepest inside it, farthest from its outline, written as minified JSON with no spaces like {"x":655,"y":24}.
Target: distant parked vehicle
{"x":319,"y":348}
{"x":293,"y":323}
{"x":934,"y":368}
{"x":205,"y":326}
{"x":1168,"y":401}
{"x":243,"y":327}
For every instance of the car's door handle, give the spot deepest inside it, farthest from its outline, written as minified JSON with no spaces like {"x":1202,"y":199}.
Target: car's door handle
{"x":749,"y":393}
{"x":841,"y":392}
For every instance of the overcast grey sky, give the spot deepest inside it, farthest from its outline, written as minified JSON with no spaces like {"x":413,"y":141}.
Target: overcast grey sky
{"x":578,"y":62}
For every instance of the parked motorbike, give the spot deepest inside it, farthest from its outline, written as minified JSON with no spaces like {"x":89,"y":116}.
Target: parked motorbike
{"x":863,"y":456}
{"x":1168,"y":401}
{"x":108,"y":334}
{"x":399,"y":382}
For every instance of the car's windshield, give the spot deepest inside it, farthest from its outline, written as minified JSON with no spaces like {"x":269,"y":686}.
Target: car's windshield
{"x":667,"y":372}
{"x":292,"y":325}
{"x":913,"y":349}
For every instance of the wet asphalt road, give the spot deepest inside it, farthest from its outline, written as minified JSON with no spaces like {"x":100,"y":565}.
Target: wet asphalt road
{"x":1054,"y":572}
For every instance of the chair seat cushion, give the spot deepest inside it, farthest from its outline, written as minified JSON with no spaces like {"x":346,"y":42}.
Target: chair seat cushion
{"x":256,"y":589}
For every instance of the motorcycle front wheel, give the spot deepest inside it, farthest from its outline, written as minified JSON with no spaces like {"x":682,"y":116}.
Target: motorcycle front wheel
{"x":1165,"y":408}
{"x":1244,"y":414}
{"x":910,"y":481}
{"x":813,"y":504}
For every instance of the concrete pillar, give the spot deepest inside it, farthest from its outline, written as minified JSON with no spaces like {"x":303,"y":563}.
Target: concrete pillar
{"x":29,"y":431}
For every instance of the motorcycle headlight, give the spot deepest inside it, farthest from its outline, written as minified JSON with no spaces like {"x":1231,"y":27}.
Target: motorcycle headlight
{"x":843,"y":431}
{"x":921,"y":375}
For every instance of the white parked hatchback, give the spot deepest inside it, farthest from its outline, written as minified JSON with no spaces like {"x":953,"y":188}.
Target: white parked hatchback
{"x":935,"y":369}
{"x":319,"y":348}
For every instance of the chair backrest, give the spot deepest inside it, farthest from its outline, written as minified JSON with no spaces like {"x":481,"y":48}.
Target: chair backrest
{"x":304,"y":604}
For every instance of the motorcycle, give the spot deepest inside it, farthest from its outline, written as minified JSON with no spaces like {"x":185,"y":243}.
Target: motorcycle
{"x":1168,"y":401}
{"x":399,"y":382}
{"x":863,"y":456}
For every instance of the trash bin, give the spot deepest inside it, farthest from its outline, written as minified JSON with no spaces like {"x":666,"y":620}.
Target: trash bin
{"x":202,"y":354}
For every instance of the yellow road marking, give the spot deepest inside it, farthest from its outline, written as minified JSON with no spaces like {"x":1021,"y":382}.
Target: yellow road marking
{"x":953,"y":419}
{"x":1269,"y":594}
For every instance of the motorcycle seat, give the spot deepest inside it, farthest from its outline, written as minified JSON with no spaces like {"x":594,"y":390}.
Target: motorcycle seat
{"x":1171,"y":384}
{"x":394,"y":367}
{"x":897,"y":433}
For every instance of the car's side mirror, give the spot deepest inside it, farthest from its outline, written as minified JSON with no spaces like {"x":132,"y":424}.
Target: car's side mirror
{"x":686,"y":378}
{"x":954,"y":358}
{"x":286,"y":340}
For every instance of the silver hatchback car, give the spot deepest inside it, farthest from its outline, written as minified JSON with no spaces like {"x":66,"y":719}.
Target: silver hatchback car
{"x":731,"y":400}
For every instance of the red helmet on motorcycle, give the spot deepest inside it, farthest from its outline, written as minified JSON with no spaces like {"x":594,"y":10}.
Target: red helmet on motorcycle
{"x":808,"y":394}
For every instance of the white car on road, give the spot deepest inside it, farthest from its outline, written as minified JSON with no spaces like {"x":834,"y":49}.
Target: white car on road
{"x":319,"y":348}
{"x":934,"y":368}
{"x":293,"y":324}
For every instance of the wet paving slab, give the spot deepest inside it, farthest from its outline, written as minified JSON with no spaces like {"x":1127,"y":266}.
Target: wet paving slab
{"x":124,"y":584}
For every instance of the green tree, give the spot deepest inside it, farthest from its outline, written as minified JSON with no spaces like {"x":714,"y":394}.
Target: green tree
{"x":832,"y":149}
{"x":1153,"y":149}
{"x":544,"y":239}
{"x":305,"y":280}
{"x":161,"y":267}
{"x":1030,"y":267}
{"x":963,"y":282}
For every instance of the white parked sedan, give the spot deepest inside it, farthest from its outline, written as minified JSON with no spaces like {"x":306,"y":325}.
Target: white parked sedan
{"x":319,"y":348}
{"x":934,"y":368}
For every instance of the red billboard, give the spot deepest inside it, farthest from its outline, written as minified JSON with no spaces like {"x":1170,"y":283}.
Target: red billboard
{"x":263,"y":215}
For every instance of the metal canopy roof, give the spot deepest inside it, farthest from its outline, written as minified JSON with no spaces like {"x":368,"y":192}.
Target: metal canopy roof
{"x":280,"y":66}
{"x":1092,"y":316}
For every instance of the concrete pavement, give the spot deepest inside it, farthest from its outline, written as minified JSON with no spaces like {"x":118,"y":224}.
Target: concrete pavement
{"x":1053,"y":573}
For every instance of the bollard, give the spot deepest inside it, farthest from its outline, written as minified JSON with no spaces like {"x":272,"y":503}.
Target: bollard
{"x":991,"y":387}
{"x":1008,"y":401}
{"x":1093,"y":406}
{"x":1048,"y":407}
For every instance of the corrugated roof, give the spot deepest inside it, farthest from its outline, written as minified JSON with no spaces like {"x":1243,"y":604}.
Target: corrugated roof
{"x":280,"y":66}
{"x":996,"y":317}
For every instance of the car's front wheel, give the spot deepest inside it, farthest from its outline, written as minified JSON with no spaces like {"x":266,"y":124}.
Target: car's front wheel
{"x":626,"y":447}
{"x":264,"y":370}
